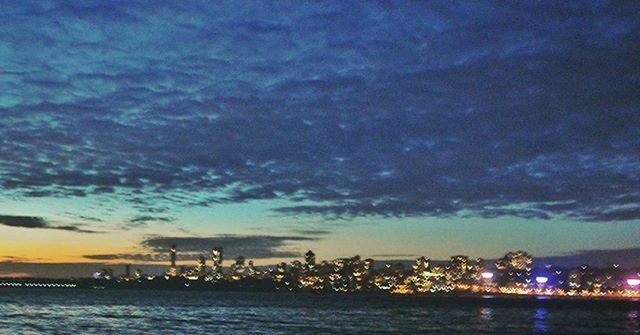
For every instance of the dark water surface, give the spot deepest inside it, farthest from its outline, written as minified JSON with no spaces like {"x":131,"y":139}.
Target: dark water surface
{"x":42,"y":311}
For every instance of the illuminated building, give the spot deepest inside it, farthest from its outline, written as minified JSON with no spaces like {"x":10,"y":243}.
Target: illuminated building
{"x":463,"y":272}
{"x":216,"y":265}
{"x":362,"y":274}
{"x":356,"y":275}
{"x":281,"y":270}
{"x":440,"y":279}
{"x":195,"y":272}
{"x":252,"y":272}
{"x":280,"y":274}
{"x":311,"y":281}
{"x":345,"y":275}
{"x":310,"y":277}
{"x":337,"y":278}
{"x":201,"y":268}
{"x":518,"y":260}
{"x":238,"y":269}
{"x":574,"y":280}
{"x":515,"y":270}
{"x":310,"y":259}
{"x":216,"y":257}
{"x":386,"y":279}
{"x":367,"y":267}
{"x":487,"y":283}
{"x":296,"y":271}
{"x":419,"y":280}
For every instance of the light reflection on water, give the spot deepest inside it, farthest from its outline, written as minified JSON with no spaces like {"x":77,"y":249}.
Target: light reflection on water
{"x":540,"y":323}
{"x":633,"y":323}
{"x":157,"y":312}
{"x":486,"y":314}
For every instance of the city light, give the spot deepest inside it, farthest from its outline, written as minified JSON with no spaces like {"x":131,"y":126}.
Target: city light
{"x":487,"y":275}
{"x":459,"y":275}
{"x":633,"y":282}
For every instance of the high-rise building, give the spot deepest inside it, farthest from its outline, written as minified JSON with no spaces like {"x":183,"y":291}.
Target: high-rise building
{"x":216,"y":257}
{"x":238,"y":268}
{"x":337,"y":278}
{"x":216,"y":266}
{"x":310,"y":259}
{"x":172,"y":270}
{"x":201,"y":268}
{"x":174,"y":250}
{"x":419,"y":279}
{"x":252,"y":271}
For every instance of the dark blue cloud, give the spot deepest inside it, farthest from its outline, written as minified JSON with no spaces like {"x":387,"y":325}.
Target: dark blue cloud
{"x":144,"y":219}
{"x":250,"y":246}
{"x":347,"y":110}
{"x":33,"y":222}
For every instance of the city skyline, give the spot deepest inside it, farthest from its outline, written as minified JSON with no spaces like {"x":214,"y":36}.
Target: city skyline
{"x":514,"y":274}
{"x":390,"y":131}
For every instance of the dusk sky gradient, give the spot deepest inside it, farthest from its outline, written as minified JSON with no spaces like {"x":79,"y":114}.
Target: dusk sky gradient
{"x":385,"y":129}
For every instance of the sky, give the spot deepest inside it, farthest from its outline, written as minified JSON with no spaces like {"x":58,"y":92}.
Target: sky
{"x":385,"y":129}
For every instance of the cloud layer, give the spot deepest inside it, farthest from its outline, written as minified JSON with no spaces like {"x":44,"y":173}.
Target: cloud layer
{"x":189,"y":248}
{"x":626,"y":258}
{"x":346,"y":110}
{"x":33,"y":222}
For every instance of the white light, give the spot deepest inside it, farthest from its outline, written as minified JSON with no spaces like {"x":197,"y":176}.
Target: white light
{"x":487,"y":275}
{"x":633,"y":281}
{"x":541,"y":280}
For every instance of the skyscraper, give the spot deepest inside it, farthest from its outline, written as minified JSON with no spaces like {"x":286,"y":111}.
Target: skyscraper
{"x":172,"y":270}
{"x":310,"y":259}
{"x":216,"y":266}
{"x":201,"y":268}
{"x":238,"y":268}
{"x":216,"y":257}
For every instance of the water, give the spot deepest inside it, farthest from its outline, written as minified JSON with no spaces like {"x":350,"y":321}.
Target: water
{"x":34,"y":311}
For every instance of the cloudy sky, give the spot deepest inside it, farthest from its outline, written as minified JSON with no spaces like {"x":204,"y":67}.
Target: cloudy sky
{"x":384,"y":129}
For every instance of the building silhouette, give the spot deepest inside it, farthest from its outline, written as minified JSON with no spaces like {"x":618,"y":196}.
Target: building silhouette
{"x":173,"y":271}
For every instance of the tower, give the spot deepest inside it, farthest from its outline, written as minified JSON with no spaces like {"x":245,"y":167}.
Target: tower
{"x":172,"y":270}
